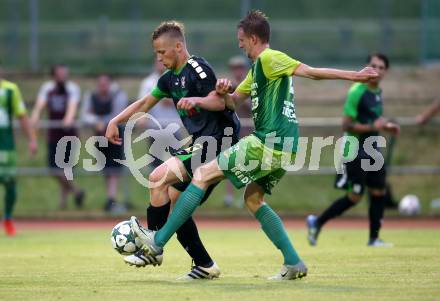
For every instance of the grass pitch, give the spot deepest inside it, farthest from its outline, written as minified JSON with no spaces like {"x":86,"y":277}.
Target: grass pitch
{"x":80,"y":265}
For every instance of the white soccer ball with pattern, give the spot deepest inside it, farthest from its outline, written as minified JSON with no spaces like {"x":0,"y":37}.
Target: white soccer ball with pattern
{"x":124,"y":240}
{"x":409,"y":205}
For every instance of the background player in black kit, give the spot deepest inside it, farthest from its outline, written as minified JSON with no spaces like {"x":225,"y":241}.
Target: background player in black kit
{"x":362,"y":119}
{"x":187,"y":80}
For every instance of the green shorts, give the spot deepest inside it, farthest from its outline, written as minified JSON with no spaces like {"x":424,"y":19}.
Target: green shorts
{"x":8,"y":163}
{"x":250,"y":161}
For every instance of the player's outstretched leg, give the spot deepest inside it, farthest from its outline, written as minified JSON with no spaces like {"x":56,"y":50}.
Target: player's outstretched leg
{"x":293,"y":267}
{"x":315,"y":224}
{"x":146,"y":237}
{"x":154,"y":241}
{"x":312,"y":229}
{"x":189,"y":200}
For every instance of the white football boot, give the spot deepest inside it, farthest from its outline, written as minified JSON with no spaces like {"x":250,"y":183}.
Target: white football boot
{"x":291,"y":272}
{"x":146,"y":237}
{"x":199,"y":273}
{"x":379,"y":243}
{"x":140,"y":259}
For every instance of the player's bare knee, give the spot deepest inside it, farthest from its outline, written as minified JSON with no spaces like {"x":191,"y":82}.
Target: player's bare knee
{"x":252,"y":201}
{"x":201,"y":183}
{"x":155,"y":177}
{"x":204,"y":176}
{"x":253,"y":204}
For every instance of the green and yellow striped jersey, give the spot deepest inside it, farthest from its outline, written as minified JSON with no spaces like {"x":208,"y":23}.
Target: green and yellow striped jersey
{"x":11,"y":105}
{"x":269,"y":83}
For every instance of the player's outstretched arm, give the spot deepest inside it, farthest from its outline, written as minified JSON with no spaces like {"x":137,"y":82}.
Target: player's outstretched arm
{"x":211,"y":102}
{"x":430,"y":112}
{"x":141,"y":105}
{"x":364,"y":75}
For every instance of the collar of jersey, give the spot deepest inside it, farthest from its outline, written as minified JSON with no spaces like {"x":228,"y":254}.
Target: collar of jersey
{"x":375,"y":91}
{"x":177,"y":72}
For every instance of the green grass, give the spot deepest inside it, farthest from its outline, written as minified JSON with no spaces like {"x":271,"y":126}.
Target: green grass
{"x":80,"y":265}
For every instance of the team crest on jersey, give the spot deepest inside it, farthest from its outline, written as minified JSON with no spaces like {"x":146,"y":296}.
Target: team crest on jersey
{"x":378,"y":98}
{"x":182,"y":82}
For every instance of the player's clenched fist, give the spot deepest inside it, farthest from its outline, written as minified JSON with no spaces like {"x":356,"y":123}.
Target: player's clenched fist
{"x":187,"y":103}
{"x":223,"y":86}
{"x":112,"y":134}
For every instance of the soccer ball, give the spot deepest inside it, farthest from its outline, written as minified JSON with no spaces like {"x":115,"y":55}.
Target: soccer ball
{"x":124,"y":240}
{"x":409,"y":205}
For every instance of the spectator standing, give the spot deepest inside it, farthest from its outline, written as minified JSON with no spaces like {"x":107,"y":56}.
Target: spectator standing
{"x":61,"y":97}
{"x":98,"y":108}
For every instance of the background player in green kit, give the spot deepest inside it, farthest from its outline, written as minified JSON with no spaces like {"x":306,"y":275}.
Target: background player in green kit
{"x":11,"y":106}
{"x":362,"y":119}
{"x":256,"y":161}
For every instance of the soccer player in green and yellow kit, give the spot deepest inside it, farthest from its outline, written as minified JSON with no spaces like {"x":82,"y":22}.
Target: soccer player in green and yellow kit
{"x":267,"y":151}
{"x":11,"y":105}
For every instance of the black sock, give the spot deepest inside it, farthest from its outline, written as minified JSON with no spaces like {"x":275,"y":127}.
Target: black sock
{"x":375,"y":213}
{"x":157,"y":216}
{"x":337,"y":208}
{"x":189,"y":238}
{"x":187,"y":234}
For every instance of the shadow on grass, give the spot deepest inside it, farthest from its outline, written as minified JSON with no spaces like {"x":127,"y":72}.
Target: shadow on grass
{"x":258,"y":284}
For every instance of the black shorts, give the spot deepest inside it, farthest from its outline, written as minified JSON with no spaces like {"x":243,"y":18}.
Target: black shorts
{"x":112,"y":152}
{"x":186,"y":156}
{"x":354,"y":178}
{"x":52,"y":150}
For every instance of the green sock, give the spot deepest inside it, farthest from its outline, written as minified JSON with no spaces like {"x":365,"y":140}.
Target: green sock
{"x":274,"y":229}
{"x":185,"y":206}
{"x":10,"y":198}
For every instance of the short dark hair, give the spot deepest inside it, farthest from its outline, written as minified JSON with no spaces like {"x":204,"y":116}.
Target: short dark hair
{"x":256,"y":23}
{"x":54,"y":68}
{"x":172,"y":28}
{"x":108,"y":75}
{"x":381,"y":57}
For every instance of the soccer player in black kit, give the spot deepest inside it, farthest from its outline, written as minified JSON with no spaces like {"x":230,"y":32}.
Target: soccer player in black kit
{"x":187,"y":80}
{"x":362,"y":120}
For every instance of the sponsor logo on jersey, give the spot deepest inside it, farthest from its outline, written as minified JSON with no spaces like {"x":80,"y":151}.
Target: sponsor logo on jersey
{"x":245,"y":179}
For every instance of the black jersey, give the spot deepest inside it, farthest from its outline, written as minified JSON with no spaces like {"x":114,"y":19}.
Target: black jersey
{"x":196,"y":79}
{"x":364,"y":106}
